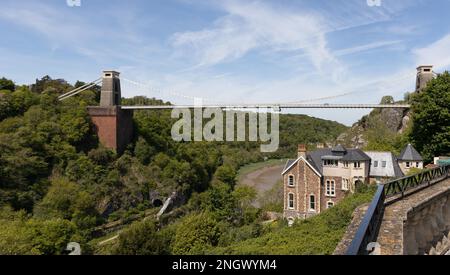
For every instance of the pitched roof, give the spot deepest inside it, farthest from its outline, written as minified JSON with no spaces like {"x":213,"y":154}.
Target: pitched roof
{"x":391,"y":169}
{"x":410,"y":153}
{"x":339,"y":149}
{"x":316,"y":157}
{"x":291,"y":163}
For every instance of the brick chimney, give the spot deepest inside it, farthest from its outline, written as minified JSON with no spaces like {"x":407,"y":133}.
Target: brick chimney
{"x":302,"y":150}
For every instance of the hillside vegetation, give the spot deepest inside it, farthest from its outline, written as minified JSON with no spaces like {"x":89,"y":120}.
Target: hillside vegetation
{"x":58,"y":184}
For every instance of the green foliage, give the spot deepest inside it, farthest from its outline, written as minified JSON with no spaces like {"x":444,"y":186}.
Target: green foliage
{"x":20,"y":235}
{"x":143,"y":238}
{"x":195,"y":234}
{"x":6,"y":84}
{"x":316,"y":236}
{"x":16,"y":103}
{"x":298,"y":129}
{"x":273,"y":200}
{"x":52,"y":166}
{"x":226,"y":174}
{"x":430,"y":132}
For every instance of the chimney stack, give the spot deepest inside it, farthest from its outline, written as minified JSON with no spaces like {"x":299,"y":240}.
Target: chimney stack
{"x":302,"y":150}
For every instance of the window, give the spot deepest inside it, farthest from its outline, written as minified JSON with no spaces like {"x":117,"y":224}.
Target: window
{"x":408,"y":165}
{"x":330,"y":204}
{"x":329,"y":162}
{"x":375,"y":164}
{"x":330,"y":188}
{"x":291,"y":201}
{"x":384,"y":163}
{"x":357,"y":164}
{"x":312,"y":203}
{"x":345,"y":184}
{"x":417,"y":164}
{"x":291,"y":180}
{"x":346,"y":164}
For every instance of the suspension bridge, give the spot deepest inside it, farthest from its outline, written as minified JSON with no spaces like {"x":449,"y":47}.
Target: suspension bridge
{"x":221,"y":105}
{"x":114,"y":122}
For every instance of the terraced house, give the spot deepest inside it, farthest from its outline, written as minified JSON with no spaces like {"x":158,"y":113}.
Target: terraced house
{"x":318,"y":180}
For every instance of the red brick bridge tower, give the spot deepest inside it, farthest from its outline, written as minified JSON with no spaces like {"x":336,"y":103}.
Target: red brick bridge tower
{"x":113,"y":125}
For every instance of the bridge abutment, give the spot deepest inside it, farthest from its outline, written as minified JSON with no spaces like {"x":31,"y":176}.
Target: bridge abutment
{"x":113,"y":125}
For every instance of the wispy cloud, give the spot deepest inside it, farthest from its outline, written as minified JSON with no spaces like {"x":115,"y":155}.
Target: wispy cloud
{"x":252,"y":26}
{"x":436,"y":54}
{"x":366,"y":47}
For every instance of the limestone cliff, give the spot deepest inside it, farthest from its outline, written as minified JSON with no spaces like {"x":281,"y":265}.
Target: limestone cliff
{"x":387,"y":122}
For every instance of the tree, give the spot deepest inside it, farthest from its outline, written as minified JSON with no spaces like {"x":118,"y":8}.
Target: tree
{"x":142,"y":238}
{"x":6,"y":84}
{"x":195,"y":234}
{"x":430,"y":133}
{"x":226,"y":174}
{"x":143,"y":151}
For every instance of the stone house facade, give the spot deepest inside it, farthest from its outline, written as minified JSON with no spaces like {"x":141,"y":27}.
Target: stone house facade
{"x":319,"y":180}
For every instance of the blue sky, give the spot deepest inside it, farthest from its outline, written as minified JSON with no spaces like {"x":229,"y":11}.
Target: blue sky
{"x":231,"y":51}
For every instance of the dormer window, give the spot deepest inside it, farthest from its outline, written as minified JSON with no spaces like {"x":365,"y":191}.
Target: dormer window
{"x":331,"y":163}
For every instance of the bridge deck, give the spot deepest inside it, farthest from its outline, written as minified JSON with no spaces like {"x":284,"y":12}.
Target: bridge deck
{"x":391,"y":235}
{"x":282,"y":106}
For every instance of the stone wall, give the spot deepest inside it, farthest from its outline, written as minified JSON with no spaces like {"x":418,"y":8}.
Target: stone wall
{"x":417,"y":224}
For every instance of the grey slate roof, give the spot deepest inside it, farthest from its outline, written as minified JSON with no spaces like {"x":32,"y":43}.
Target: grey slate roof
{"x":410,"y":153}
{"x":315,"y":158}
{"x":391,"y":170}
{"x":339,"y":149}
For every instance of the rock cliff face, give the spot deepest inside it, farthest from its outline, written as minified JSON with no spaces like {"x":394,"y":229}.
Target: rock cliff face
{"x":394,"y":121}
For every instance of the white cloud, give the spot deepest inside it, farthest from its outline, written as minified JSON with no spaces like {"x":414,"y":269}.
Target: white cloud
{"x":256,"y":26}
{"x":366,"y":47}
{"x":436,"y":54}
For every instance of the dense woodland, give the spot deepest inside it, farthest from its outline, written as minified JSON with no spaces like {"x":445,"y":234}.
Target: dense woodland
{"x":58,"y":184}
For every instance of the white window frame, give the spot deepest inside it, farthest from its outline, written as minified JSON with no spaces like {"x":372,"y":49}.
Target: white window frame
{"x":417,"y":164}
{"x":346,"y":164}
{"x":289,"y":180}
{"x":384,"y":164}
{"x":357,"y":164}
{"x":312,"y":209}
{"x":331,"y":163}
{"x":330,"y":204}
{"x":330,"y":188}
{"x":345,"y":184}
{"x":375,"y":163}
{"x":408,"y":164}
{"x":289,"y":201}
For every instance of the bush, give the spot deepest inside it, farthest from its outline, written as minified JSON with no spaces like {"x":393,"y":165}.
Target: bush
{"x":315,"y":236}
{"x":195,"y":234}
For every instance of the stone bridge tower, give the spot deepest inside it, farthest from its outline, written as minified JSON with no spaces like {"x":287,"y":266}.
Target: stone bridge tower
{"x":113,"y":125}
{"x":424,"y":75}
